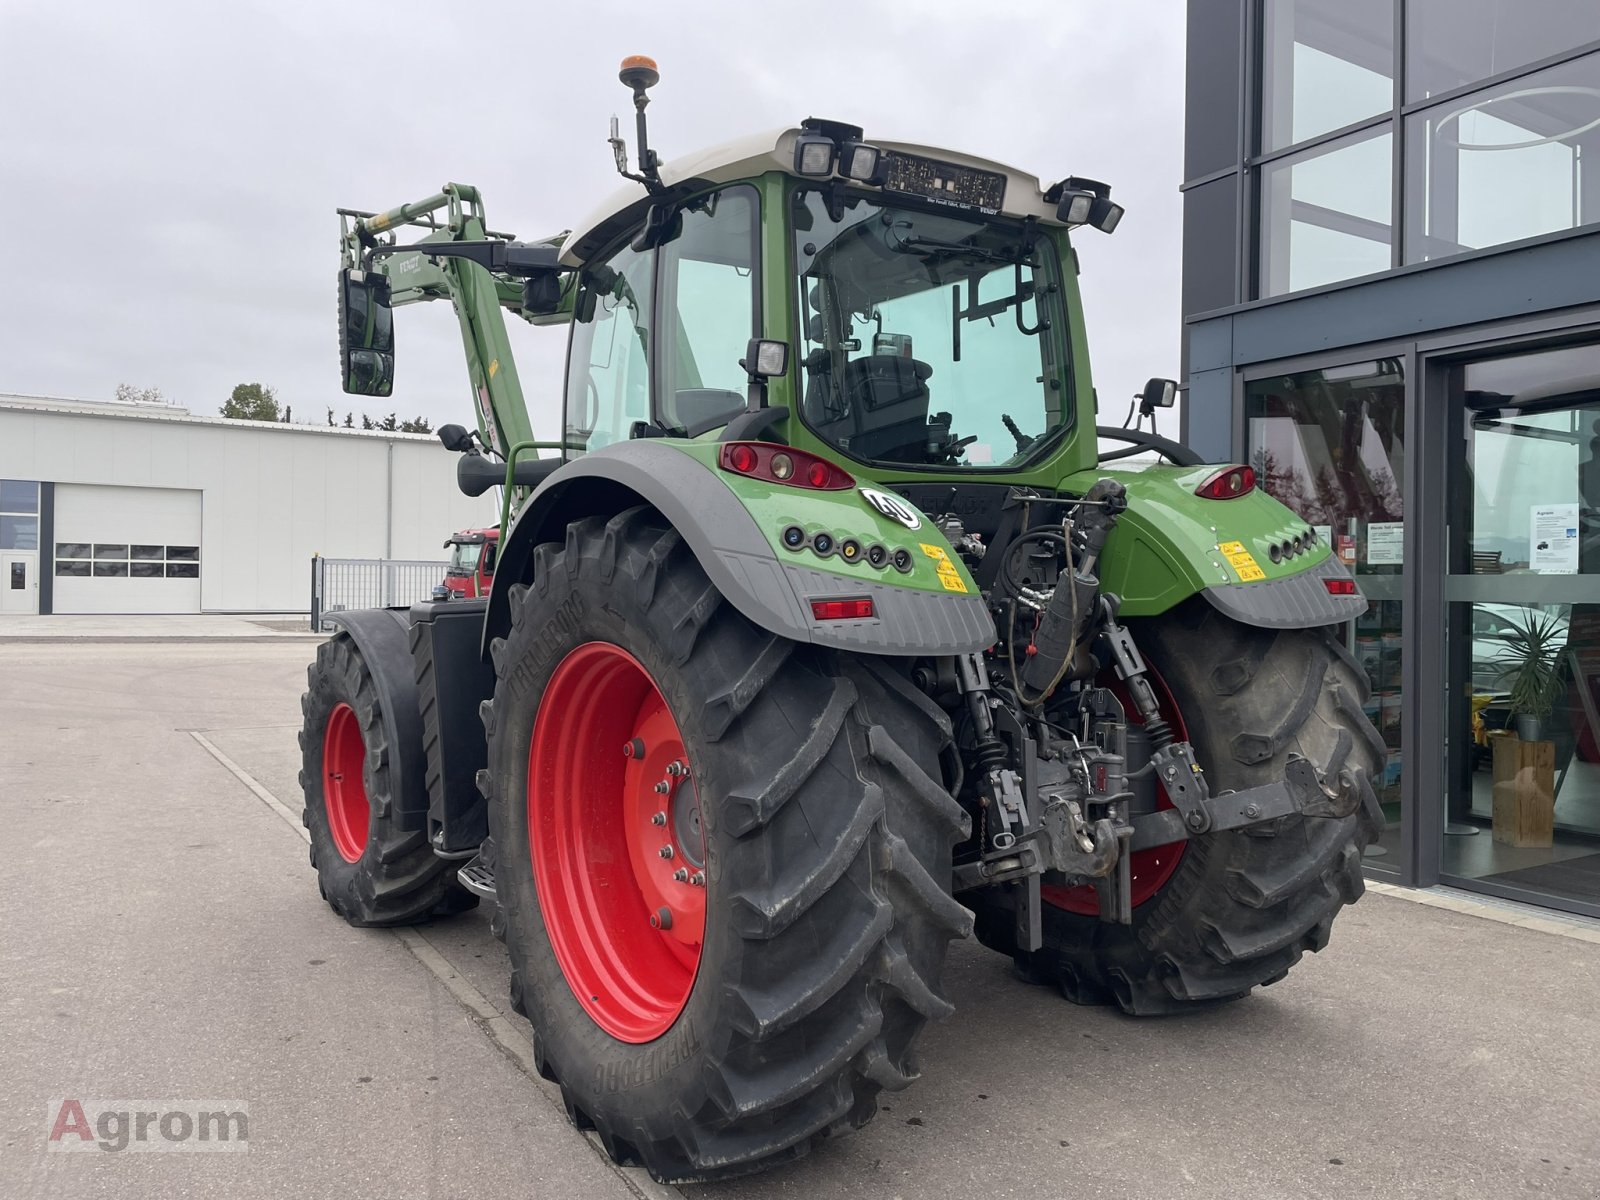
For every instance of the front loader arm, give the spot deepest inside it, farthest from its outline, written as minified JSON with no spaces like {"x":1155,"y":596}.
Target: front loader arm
{"x":455,"y":214}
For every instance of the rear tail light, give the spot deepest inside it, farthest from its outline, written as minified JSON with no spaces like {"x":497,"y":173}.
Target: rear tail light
{"x":842,"y":610}
{"x":1228,"y":483}
{"x":782,"y":464}
{"x":1341,"y":587}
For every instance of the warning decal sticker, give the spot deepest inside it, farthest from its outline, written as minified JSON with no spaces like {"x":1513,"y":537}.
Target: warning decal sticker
{"x":1242,"y":561}
{"x":949,"y":576}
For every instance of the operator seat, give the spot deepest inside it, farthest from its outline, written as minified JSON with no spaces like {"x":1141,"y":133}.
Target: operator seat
{"x":882,"y":411}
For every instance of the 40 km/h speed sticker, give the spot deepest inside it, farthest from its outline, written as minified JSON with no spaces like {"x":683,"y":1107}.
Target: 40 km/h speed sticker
{"x":1242,"y":561}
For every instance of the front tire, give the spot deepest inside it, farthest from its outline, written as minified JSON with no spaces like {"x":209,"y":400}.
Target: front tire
{"x":1239,"y":908}
{"x":369,"y":871}
{"x":791,"y":987}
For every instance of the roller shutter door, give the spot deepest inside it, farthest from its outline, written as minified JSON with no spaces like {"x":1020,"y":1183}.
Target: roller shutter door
{"x":126,"y":550}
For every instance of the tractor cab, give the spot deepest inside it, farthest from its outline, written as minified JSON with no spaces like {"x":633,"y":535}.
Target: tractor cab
{"x":470,"y":572}
{"x":911,"y":309}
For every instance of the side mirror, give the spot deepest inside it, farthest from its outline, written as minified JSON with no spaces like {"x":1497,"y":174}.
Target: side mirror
{"x":455,"y":437}
{"x":1158,"y":393}
{"x":366,"y":333}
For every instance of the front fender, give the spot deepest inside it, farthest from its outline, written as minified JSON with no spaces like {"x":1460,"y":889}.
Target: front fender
{"x":733,"y":526}
{"x":382,"y":636}
{"x":1172,"y":544}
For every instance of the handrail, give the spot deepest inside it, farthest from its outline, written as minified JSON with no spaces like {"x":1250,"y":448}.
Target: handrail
{"x":514,"y":453}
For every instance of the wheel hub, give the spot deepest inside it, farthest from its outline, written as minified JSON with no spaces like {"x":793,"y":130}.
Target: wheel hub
{"x":617,"y":842}
{"x":344,"y":791}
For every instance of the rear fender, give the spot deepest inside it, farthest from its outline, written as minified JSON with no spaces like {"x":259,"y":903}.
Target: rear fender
{"x":734,"y":525}
{"x":1172,"y":544}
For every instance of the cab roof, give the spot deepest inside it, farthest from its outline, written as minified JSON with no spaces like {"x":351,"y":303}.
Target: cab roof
{"x":759,"y":153}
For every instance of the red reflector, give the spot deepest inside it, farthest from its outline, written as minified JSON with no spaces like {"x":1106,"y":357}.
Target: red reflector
{"x":1228,"y":483}
{"x":1341,"y":587}
{"x":841,"y":610}
{"x":742,"y":458}
{"x":817,"y":474}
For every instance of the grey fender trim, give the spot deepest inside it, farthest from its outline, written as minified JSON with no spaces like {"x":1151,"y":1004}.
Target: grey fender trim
{"x":383,"y":638}
{"x":732,"y":550}
{"x":1297,"y":602}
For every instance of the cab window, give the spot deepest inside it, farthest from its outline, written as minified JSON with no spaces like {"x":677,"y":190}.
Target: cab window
{"x":608,"y":365}
{"x":708,"y":310}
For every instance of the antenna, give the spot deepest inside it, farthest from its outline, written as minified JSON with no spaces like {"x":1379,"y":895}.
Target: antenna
{"x":640,"y":74}
{"x":619,"y":149}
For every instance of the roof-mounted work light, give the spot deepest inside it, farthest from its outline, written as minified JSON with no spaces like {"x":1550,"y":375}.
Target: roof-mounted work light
{"x":860,"y":162}
{"x":813,"y":155}
{"x":1085,"y":202}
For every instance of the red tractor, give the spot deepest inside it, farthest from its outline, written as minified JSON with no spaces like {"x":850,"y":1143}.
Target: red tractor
{"x":471,"y":569}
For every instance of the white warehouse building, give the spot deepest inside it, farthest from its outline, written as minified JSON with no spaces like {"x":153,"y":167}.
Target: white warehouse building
{"x":137,"y":508}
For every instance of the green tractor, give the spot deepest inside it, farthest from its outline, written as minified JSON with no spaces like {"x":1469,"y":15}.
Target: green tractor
{"x":826,"y":636}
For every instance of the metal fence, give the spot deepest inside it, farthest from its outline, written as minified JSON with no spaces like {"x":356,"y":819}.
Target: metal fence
{"x":340,"y":583}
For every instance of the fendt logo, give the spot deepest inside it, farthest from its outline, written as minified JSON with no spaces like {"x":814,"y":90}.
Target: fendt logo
{"x":893,"y":507}
{"x":187,"y":1127}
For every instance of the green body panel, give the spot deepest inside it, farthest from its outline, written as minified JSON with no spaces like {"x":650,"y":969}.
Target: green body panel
{"x":844,"y":514}
{"x":1166,"y":547}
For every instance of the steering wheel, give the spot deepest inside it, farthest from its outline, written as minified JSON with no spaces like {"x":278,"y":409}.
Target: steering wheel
{"x":950,"y":451}
{"x":1023,"y":440}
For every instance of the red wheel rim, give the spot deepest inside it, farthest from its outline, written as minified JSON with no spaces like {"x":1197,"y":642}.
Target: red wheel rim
{"x":618,"y":852}
{"x":344,"y":791}
{"x":1152,"y":868}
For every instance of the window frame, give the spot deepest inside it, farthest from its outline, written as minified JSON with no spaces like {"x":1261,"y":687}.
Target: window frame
{"x":1252,"y":157}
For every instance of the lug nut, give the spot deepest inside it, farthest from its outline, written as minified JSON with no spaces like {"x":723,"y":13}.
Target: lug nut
{"x":663,"y":787}
{"x":661,"y":919}
{"x":698,"y":879}
{"x":665,"y":852}
{"x":659,"y":818}
{"x":676,"y":769}
{"x":681,"y":875}
{"x":634,"y":749}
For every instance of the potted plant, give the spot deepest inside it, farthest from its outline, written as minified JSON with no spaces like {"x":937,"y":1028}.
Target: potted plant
{"x":1531,"y":668}
{"x":1524,"y":765}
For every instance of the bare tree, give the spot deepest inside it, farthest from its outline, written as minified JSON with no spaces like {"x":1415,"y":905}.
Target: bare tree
{"x":128,"y":394}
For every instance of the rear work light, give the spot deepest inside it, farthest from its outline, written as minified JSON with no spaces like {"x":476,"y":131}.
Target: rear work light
{"x":1228,"y":483}
{"x":1340,"y":587}
{"x":842,"y":610}
{"x":781,"y":464}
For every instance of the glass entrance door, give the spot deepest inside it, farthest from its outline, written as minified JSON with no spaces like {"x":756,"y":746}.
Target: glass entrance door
{"x":1330,"y":444}
{"x":1523,"y":622}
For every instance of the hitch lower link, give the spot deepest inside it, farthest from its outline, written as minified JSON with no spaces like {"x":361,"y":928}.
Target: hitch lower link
{"x":1301,"y":792}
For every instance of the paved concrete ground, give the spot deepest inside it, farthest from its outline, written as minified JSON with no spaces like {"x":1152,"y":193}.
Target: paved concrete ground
{"x":157,"y":627}
{"x":164,"y":941}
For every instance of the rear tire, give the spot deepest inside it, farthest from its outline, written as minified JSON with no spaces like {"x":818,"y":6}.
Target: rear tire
{"x":1243,"y":906}
{"x":369,"y":871}
{"x":827,"y":839}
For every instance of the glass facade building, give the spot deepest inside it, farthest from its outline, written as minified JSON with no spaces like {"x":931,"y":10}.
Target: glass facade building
{"x":1391,"y":296}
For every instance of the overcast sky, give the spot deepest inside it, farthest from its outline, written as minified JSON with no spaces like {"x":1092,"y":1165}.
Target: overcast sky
{"x":169,"y":171}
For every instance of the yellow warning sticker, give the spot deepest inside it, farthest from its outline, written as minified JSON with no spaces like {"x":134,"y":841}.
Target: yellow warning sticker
{"x":1242,"y":561}
{"x":949,"y":577}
